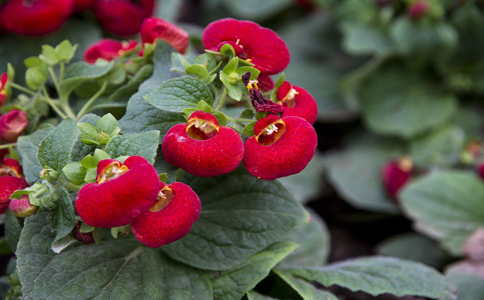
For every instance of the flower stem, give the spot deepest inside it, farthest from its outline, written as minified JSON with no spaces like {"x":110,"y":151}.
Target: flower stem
{"x":21,"y":88}
{"x":224,"y":95}
{"x":52,"y":103}
{"x":61,"y":72}
{"x":91,"y":101}
{"x":6,"y":146}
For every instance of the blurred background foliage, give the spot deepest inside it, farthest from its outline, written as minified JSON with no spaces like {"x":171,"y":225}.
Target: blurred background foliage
{"x":391,"y":78}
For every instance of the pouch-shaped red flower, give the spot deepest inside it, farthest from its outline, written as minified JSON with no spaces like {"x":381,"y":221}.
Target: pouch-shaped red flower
{"x":108,"y":49}
{"x":11,"y":179}
{"x":154,"y":28}
{"x":12,"y":124}
{"x":3,"y":88}
{"x":297,"y":102}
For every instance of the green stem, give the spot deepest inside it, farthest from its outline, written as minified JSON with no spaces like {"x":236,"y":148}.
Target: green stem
{"x":6,"y":146}
{"x":216,"y":68}
{"x":235,"y":120}
{"x":91,"y":101}
{"x":21,"y":88}
{"x":224,"y":95}
{"x":54,"y":79}
{"x":52,"y":103}
{"x":61,"y":72}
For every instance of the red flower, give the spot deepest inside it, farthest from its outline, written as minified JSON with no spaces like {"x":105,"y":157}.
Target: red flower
{"x":121,"y":194}
{"x":3,"y":88}
{"x":395,"y":175}
{"x":12,"y":124}
{"x":170,"y":219}
{"x":265,"y":83}
{"x":81,"y":6}
{"x":297,"y":102}
{"x":280,"y":147}
{"x":202,"y":147}
{"x":35,"y":17}
{"x":252,"y":42}
{"x":22,"y":207}
{"x":418,"y":9}
{"x":123,"y":17}
{"x":154,"y":28}
{"x":11,"y":179}
{"x":108,"y":49}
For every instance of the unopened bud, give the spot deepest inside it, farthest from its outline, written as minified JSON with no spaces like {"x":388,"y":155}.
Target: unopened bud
{"x":396,"y":174}
{"x":86,"y":238}
{"x":22,"y":207}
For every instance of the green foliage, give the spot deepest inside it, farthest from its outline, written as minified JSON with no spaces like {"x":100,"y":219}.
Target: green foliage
{"x":142,"y":144}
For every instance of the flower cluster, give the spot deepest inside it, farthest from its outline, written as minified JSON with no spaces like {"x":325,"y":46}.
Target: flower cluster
{"x":38,"y":17}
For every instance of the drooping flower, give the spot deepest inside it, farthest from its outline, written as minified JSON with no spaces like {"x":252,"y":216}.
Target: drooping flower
{"x":121,"y":194}
{"x":123,"y":17}
{"x":170,"y":219}
{"x":259,"y":102}
{"x":12,"y":124}
{"x":154,"y":28}
{"x":11,"y":179}
{"x":252,"y":42}
{"x":3,"y":88}
{"x":108,"y":49}
{"x":35,"y":17}
{"x":202,"y":147}
{"x":296,"y":101}
{"x":280,"y":147}
{"x":396,"y":174}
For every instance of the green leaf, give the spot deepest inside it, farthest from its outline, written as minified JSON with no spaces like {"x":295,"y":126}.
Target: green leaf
{"x":12,"y":230}
{"x":49,"y":55}
{"x":88,"y":132}
{"x":247,"y":114}
{"x":107,"y":124}
{"x":162,"y":66}
{"x":249,"y":129}
{"x":65,"y":51}
{"x":247,"y":214}
{"x":252,"y":295}
{"x":314,"y":244}
{"x":231,"y":66}
{"x":368,"y":154}
{"x":176,"y":94}
{"x":203,"y":106}
{"x":469,"y":286}
{"x":33,"y":61}
{"x":64,"y":217}
{"x":447,"y":206}
{"x":28,"y":146}
{"x":227,"y":50}
{"x":257,"y":10}
{"x":36,"y":77}
{"x":119,"y":269}
{"x":415,"y":109}
{"x":124,"y":92}
{"x":362,"y":39}
{"x":80,"y":72}
{"x":55,"y":150}
{"x":439,"y":147}
{"x":379,"y":275}
{"x":200,"y":71}
{"x":234,"y":283}
{"x":80,"y":149}
{"x":75,"y":172}
{"x":221,"y":118}
{"x":142,"y":144}
{"x":304,"y":288}
{"x":254,"y":73}
{"x":412,"y":246}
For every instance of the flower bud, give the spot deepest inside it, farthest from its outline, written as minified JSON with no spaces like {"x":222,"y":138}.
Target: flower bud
{"x":108,"y":49}
{"x":3,"y":88}
{"x":395,"y":174}
{"x":84,"y":237}
{"x":418,"y":9}
{"x":22,"y":207}
{"x":12,"y":125}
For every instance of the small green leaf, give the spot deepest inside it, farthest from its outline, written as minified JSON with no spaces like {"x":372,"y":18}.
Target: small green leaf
{"x":64,"y":218}
{"x":35,"y":77}
{"x":87,"y":131}
{"x":89,"y":162}
{"x":203,"y":106}
{"x":33,"y":62}
{"x":75,"y":172}
{"x":247,"y":114}
{"x":86,"y":228}
{"x":231,"y":66}
{"x":55,"y":150}
{"x":49,"y":55}
{"x":10,"y":72}
{"x":101,"y":155}
{"x":235,"y":92}
{"x":163,"y":177}
{"x":107,"y":124}
{"x":249,"y":129}
{"x":65,"y":51}
{"x":260,"y":115}
{"x":221,"y":118}
{"x":227,"y":50}
{"x":254,"y":73}
{"x":189,"y":111}
{"x":91,"y":175}
{"x":142,"y":144}
{"x":200,"y":71}
{"x":184,"y":61}
{"x":117,"y":75}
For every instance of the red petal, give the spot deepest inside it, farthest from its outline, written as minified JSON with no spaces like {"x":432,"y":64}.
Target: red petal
{"x":154,"y":28}
{"x":306,"y":107}
{"x":35,"y":17}
{"x":394,"y":178}
{"x":264,"y":122}
{"x":107,"y":49}
{"x":13,"y":164}
{"x":119,"y":201}
{"x":8,"y":185}
{"x":265,"y":83}
{"x":81,"y":6}
{"x":155,"y":229}
{"x":12,"y":125}
{"x":283,"y":90}
{"x":287,"y":156}
{"x":264,"y":47}
{"x":203,"y":116}
{"x":204,"y":158}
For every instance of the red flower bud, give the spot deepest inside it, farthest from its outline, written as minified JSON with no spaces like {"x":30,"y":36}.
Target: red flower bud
{"x":11,"y":179}
{"x":121,"y":194}
{"x":297,"y":102}
{"x":280,"y":147}
{"x":123,"y":17}
{"x":81,"y":6}
{"x":481,"y":170}
{"x":22,"y":207}
{"x":84,"y":237}
{"x":265,"y":83}
{"x":202,"y":147}
{"x":418,"y":9}
{"x":170,"y":219}
{"x":3,"y":88}
{"x":35,"y":17}
{"x":396,"y":174}
{"x":108,"y":49}
{"x":252,"y":42}
{"x":12,"y":125}
{"x":154,"y":28}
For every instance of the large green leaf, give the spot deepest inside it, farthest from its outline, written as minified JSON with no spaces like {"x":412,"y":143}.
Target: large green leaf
{"x":234,"y":283}
{"x":162,"y":66}
{"x":55,"y":150}
{"x":361,"y":39}
{"x":314,"y":244}
{"x":252,"y":295}
{"x":447,"y":205}
{"x":124,"y":92}
{"x":117,"y":269}
{"x":177,"y":94}
{"x":356,"y":172}
{"x":379,"y":275}
{"x":64,"y":217}
{"x":412,"y":246}
{"x":79,"y":72}
{"x":142,"y":144}
{"x":12,"y":230}
{"x":416,"y":108}
{"x":304,"y":288}
{"x":241,"y":215}
{"x":28,"y":146}
{"x":468,"y":286}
